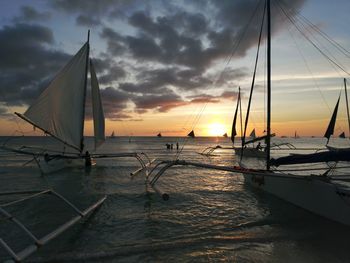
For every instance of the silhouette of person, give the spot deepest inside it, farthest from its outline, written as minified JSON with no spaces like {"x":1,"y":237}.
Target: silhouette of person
{"x":87,"y":159}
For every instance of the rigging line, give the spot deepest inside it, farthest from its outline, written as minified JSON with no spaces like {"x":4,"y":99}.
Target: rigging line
{"x":339,"y":126}
{"x":319,"y":43}
{"x":265,"y":90}
{"x":331,"y":64}
{"x":236,"y":45}
{"x":307,"y":67}
{"x":234,"y":50}
{"x":253,"y":80}
{"x":337,"y":45}
{"x":312,"y":43}
{"x":334,"y":61}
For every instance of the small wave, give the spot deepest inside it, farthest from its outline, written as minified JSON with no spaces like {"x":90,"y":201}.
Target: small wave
{"x":132,"y":250}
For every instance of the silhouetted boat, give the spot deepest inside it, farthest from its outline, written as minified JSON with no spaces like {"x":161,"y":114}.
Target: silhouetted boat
{"x":191,"y":134}
{"x":321,"y":194}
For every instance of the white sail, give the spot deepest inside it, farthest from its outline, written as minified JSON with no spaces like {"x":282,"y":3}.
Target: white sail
{"x":60,"y":107}
{"x":97,"y":110}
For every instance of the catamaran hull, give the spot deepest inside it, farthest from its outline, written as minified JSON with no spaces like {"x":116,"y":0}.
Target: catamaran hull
{"x":320,"y":197}
{"x":250,"y":152}
{"x":58,"y":164}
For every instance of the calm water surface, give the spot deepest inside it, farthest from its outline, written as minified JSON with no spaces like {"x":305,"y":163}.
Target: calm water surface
{"x":212,"y":216}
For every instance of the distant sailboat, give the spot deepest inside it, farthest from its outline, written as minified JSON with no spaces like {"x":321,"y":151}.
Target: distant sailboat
{"x":225,"y":135}
{"x":252,"y":134}
{"x":112,"y":135}
{"x":296,"y":136}
{"x":191,"y":134}
{"x":342,"y":135}
{"x":159,"y":135}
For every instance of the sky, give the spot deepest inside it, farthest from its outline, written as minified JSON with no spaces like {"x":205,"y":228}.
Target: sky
{"x":173,"y":66}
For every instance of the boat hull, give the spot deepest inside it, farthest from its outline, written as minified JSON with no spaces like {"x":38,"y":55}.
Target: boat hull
{"x":58,"y":164}
{"x":321,"y":197}
{"x":250,"y":152}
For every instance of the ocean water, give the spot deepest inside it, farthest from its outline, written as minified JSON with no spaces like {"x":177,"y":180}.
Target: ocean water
{"x":211,"y":216}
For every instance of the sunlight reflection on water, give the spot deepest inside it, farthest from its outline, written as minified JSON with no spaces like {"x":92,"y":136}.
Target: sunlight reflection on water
{"x":211,"y":215}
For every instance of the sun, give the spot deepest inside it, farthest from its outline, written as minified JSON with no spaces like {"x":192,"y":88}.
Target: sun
{"x":216,"y":129}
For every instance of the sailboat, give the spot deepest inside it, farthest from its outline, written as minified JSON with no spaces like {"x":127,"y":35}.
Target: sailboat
{"x":225,"y":135}
{"x":59,"y":112}
{"x":296,"y":136}
{"x":256,"y":152}
{"x":321,"y":195}
{"x":159,"y":135}
{"x":324,"y":195}
{"x":191,"y":134}
{"x":112,"y":135}
{"x":330,"y":129}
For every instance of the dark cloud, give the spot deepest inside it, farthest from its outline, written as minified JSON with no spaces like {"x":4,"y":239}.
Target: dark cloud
{"x":160,"y":102}
{"x":26,"y":62}
{"x":30,"y":14}
{"x":108,"y":70}
{"x":169,"y":49}
{"x":206,"y":98}
{"x":115,"y":42}
{"x":114,"y":103}
{"x":84,"y":20}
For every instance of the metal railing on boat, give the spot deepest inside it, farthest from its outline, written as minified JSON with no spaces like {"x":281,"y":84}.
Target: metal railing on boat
{"x":39,"y":242}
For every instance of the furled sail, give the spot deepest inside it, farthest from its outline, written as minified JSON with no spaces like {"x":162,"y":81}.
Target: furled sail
{"x":327,"y":156}
{"x":330,"y":129}
{"x":59,"y":109}
{"x":234,"y":131}
{"x":191,"y":134}
{"x":97,"y":110}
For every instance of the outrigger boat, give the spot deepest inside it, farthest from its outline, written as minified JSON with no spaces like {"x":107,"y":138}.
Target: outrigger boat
{"x":60,"y":113}
{"x":322,"y":194}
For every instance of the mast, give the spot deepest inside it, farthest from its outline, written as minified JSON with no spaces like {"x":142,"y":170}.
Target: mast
{"x":84,"y":97}
{"x":347,"y":104}
{"x":268,"y":123}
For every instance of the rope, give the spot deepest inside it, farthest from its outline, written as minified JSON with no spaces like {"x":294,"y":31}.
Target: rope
{"x":312,"y":43}
{"x":234,"y":50}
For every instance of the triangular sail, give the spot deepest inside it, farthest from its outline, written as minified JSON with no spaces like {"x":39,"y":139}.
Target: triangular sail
{"x":342,"y":135}
{"x":97,"y":110}
{"x":112,"y":135}
{"x":330,"y":129}
{"x":225,"y":135}
{"x":191,"y":134}
{"x":60,"y":107}
{"x":252,"y":134}
{"x":234,"y":131}
{"x":347,"y":104}
{"x":159,"y":135}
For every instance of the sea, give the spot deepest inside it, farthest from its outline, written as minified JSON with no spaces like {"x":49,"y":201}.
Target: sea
{"x":211,"y":216}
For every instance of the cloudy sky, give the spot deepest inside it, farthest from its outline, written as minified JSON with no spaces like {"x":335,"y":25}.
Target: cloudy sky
{"x":168,"y":66}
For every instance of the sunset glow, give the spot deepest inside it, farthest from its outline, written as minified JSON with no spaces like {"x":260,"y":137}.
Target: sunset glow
{"x":216,"y":129}
{"x":161,"y":70}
